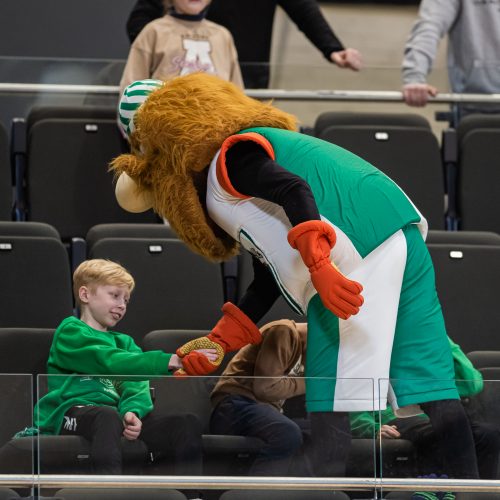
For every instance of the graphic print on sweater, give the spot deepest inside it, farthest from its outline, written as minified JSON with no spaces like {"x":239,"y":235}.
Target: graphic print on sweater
{"x":196,"y":57}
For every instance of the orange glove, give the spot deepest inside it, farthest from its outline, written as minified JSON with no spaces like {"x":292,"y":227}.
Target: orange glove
{"x":232,"y":332}
{"x":195,"y":363}
{"x":314,"y":239}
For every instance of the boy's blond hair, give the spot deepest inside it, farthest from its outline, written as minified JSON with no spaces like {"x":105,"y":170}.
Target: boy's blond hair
{"x":100,"y":272}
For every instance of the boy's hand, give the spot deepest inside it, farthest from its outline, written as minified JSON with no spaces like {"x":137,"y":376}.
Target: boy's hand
{"x":176,"y":363}
{"x":132,"y":426}
{"x":389,"y":432}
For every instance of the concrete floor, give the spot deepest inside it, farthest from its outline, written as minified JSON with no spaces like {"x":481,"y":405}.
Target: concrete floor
{"x":379,"y":32}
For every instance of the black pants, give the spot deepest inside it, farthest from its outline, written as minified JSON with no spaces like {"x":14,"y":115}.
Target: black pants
{"x":172,"y":439}
{"x":440,"y":448}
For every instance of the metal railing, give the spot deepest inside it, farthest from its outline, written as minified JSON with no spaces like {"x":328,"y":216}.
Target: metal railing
{"x":247,"y":482}
{"x":278,"y":94}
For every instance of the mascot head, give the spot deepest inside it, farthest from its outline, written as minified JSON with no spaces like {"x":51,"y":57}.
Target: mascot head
{"x":175,"y":128}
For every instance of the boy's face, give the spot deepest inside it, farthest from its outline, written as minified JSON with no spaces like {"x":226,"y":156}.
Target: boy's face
{"x":103,"y":305}
{"x":190,"y":7}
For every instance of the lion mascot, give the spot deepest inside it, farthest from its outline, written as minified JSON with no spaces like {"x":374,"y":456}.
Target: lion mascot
{"x":227,"y":170}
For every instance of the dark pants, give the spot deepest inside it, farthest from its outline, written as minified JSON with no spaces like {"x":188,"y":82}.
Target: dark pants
{"x":242,"y":416}
{"x":174,"y":439}
{"x":440,"y":445}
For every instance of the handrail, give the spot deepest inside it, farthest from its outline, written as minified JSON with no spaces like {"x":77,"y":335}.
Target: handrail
{"x":278,"y":94}
{"x":247,"y":482}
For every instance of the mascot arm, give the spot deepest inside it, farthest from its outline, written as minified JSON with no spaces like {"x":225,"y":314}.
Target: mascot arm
{"x":253,"y":173}
{"x":232,"y":332}
{"x":314,"y":240}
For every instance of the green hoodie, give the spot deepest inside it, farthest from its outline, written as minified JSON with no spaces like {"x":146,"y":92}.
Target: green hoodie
{"x":79,"y":349}
{"x":365,"y":424}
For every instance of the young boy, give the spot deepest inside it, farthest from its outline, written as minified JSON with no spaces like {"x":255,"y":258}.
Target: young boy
{"x":104,"y":409}
{"x":182,"y":42}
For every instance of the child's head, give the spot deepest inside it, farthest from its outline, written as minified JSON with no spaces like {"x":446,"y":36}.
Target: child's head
{"x":102,"y":289}
{"x":189,"y":7}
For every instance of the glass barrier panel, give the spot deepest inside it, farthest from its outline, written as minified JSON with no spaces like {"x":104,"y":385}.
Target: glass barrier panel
{"x":202,"y":426}
{"x":449,"y":431}
{"x":17,"y":436}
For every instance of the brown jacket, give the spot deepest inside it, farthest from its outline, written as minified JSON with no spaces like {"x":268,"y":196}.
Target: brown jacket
{"x":276,"y":361}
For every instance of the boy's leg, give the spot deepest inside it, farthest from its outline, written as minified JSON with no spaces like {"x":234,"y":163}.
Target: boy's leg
{"x":103,"y":427}
{"x":177,"y":437}
{"x":487,"y":442}
{"x":238,"y":415}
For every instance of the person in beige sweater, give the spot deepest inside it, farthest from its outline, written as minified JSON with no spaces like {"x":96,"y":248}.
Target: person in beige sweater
{"x":248,"y":406}
{"x":182,"y":42}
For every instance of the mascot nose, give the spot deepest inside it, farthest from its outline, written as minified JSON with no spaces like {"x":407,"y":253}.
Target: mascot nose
{"x":129,"y":197}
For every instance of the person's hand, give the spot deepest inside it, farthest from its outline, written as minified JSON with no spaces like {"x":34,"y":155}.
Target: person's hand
{"x":389,"y":432}
{"x":176,"y":362}
{"x":132,"y":426}
{"x":348,"y":58}
{"x":417,"y":94}
{"x":232,"y":332}
{"x":314,"y":239}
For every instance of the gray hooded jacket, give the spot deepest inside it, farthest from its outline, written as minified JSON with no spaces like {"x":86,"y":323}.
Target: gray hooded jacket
{"x":473,"y":28}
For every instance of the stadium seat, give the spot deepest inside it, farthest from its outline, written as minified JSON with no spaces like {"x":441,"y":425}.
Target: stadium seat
{"x":119,"y":494}
{"x":485,"y":359}
{"x":402,"y":146}
{"x":478,"y":172}
{"x":463,"y":237}
{"x":283,"y":495}
{"x":223,"y":455}
{"x":64,"y":169}
{"x":175,"y":288}
{"x":11,"y":228}
{"x":5,"y":178}
{"x":8,"y":494}
{"x":466,"y":281}
{"x":35,"y":290}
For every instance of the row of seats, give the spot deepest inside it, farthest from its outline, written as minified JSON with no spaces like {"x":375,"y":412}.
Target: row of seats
{"x":178,"y":289}
{"x":60,"y":157}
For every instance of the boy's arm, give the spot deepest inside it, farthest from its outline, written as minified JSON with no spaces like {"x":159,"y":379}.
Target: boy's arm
{"x":134,"y":397}
{"x":364,"y":424}
{"x":281,"y":345}
{"x":76,"y":349}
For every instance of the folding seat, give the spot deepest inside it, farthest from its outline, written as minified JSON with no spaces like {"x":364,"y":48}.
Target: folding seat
{"x":402,"y":146}
{"x":119,"y":494}
{"x":463,"y":237}
{"x":485,"y":359}
{"x":478,"y":138}
{"x":5,"y":178}
{"x":283,"y":495}
{"x":13,"y":228}
{"x":466,"y":280}
{"x":62,"y":173}
{"x":223,"y":455}
{"x":175,"y":288}
{"x":35,"y":289}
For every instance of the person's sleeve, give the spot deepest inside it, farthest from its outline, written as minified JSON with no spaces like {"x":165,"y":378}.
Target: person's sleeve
{"x":261,"y":294}
{"x":253,"y":173}
{"x":236,"y":76}
{"x":143,"y":12}
{"x":469,"y":380}
{"x":307,"y":15}
{"x":280,"y":346}
{"x":139,"y":60}
{"x":134,"y":397}
{"x":435,"y":18}
{"x":366,"y":424}
{"x":77,"y":350}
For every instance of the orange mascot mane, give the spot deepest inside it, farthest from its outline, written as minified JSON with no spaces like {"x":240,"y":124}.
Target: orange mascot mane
{"x":178,"y":131}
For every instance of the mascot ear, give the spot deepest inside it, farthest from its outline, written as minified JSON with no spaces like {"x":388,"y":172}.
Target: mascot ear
{"x":129,"y":197}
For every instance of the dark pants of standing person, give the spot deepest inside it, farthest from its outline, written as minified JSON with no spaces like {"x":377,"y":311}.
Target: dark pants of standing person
{"x":430,"y":459}
{"x":242,"y":416}
{"x":174,"y":439}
